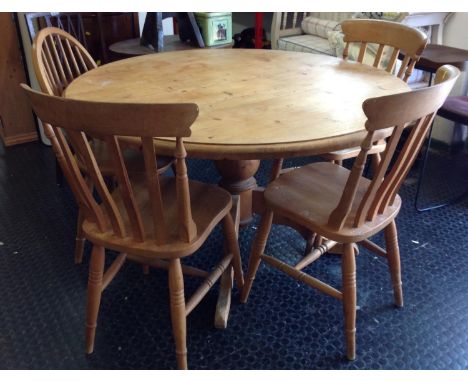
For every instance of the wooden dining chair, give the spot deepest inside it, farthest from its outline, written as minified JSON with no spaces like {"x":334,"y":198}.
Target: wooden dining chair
{"x":58,"y":59}
{"x":346,"y":208}
{"x":392,"y":40}
{"x":152,"y":219}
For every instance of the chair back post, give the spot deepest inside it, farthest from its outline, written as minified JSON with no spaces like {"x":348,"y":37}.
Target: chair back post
{"x":400,"y":38}
{"x":110,"y":120}
{"x":392,"y":114}
{"x":187,"y":227}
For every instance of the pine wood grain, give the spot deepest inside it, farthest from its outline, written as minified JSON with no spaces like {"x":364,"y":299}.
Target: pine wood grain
{"x":253,"y":104}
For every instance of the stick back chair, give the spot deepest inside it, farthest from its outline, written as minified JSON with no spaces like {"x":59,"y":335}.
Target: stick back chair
{"x":392,"y":40}
{"x":58,"y":59}
{"x":346,"y":208}
{"x":399,"y":40}
{"x":148,"y":218}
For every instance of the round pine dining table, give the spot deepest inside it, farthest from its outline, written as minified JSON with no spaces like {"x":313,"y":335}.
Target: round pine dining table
{"x":254,"y":104}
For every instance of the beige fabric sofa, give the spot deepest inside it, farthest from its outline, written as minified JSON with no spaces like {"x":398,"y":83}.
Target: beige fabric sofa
{"x":287,"y":33}
{"x":319,"y":32}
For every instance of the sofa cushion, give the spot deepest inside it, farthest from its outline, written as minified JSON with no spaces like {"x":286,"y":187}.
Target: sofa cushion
{"x":319,"y":27}
{"x":306,"y":43}
{"x":389,"y":16}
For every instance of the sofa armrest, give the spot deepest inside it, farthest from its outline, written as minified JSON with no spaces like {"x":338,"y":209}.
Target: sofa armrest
{"x":289,"y":23}
{"x":286,"y":24}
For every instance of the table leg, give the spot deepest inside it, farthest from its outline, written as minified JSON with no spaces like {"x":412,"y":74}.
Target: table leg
{"x":237,"y":176}
{"x":225,"y":287}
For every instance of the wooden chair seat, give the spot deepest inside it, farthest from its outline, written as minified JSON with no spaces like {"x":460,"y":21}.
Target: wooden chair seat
{"x":133,"y":160}
{"x":309,"y":194}
{"x":209,"y":205}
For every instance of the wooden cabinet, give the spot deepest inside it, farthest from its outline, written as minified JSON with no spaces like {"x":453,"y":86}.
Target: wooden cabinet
{"x":106,"y":28}
{"x":95,"y":30}
{"x":17,"y":123}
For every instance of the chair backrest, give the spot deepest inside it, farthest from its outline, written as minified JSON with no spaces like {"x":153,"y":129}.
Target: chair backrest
{"x":388,"y":116}
{"x":58,"y":58}
{"x":399,"y":38}
{"x":110,"y":120}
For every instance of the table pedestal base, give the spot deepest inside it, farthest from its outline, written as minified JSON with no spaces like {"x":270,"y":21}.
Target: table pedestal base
{"x":238,"y":179}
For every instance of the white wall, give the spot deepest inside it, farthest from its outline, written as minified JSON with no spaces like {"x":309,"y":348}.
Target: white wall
{"x":456,"y":31}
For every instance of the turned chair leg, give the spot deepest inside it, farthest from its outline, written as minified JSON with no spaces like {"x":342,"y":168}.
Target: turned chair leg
{"x":178,"y":313}
{"x":258,"y":248}
{"x":96,"y":270}
{"x":348,"y":269}
{"x":233,"y":247}
{"x":309,"y":242}
{"x":80,"y":239}
{"x":393,"y":258}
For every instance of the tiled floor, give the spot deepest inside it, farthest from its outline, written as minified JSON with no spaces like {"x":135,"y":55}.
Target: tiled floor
{"x":285,"y":325}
